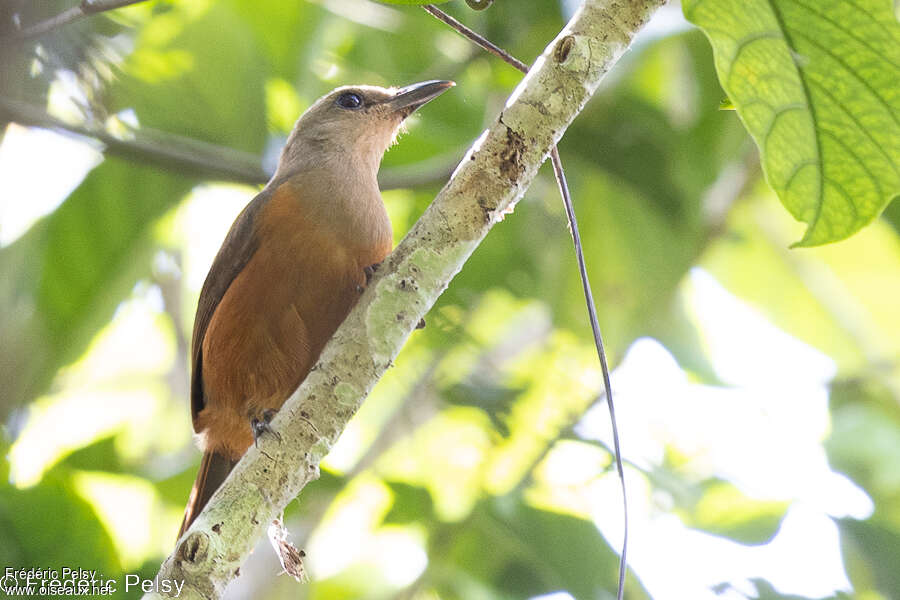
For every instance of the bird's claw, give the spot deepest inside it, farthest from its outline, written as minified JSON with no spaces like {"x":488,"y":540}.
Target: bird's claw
{"x":261,"y":426}
{"x":370,"y":271}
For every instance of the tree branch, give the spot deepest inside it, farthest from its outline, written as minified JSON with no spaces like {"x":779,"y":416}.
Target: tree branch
{"x":195,"y":158}
{"x":562,"y":50}
{"x":474,"y":37}
{"x":487,"y":184}
{"x":165,"y":150}
{"x":84,"y":9}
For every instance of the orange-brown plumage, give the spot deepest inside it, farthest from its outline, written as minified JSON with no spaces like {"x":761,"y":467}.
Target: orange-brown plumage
{"x":276,"y":317}
{"x":289,"y":271}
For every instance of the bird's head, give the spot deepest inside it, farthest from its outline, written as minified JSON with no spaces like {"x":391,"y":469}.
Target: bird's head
{"x":354,"y":125}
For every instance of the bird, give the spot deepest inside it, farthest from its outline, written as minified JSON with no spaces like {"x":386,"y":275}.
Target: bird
{"x":290,"y":269}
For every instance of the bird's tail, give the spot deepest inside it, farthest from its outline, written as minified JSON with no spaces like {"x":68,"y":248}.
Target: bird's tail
{"x":214,"y":468}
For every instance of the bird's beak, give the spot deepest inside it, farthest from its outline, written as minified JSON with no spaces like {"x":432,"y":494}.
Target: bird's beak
{"x":409,"y":98}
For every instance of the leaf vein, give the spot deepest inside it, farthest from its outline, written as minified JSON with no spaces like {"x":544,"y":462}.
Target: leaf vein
{"x":853,"y":155}
{"x":859,"y":125}
{"x":744,"y":42}
{"x":879,"y":53}
{"x":781,"y":111}
{"x":852,"y":73}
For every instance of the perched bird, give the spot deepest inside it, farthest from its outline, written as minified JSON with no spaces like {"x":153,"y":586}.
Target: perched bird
{"x":290,"y":269}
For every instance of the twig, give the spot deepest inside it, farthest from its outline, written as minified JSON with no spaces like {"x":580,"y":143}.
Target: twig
{"x":479,"y":4}
{"x":475,"y":37}
{"x":428,"y":171}
{"x":582,"y":270}
{"x":167,"y":150}
{"x":598,"y":342}
{"x":84,"y":9}
{"x":168,"y":279}
{"x":488,"y":182}
{"x":209,"y":161}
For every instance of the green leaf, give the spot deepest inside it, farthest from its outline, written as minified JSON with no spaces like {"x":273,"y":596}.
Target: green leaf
{"x":182,"y":79}
{"x":867,"y":410}
{"x":716,"y":505}
{"x":285,"y":33}
{"x":724,"y":510}
{"x":873,"y":548}
{"x":766,"y":591}
{"x":411,"y":503}
{"x":98,"y":456}
{"x":524,"y":551}
{"x":413,"y":2}
{"x":816,"y":85}
{"x":52,"y":526}
{"x":495,"y":400}
{"x":64,"y":277}
{"x":892,"y":214}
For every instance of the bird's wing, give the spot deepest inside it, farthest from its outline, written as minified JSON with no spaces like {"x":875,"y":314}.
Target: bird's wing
{"x":237,"y":249}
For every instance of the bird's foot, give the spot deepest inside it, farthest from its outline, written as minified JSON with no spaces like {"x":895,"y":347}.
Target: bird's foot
{"x":370,"y":271}
{"x":260,"y":425}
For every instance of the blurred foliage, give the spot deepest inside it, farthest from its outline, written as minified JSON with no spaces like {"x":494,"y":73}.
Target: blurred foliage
{"x":448,"y":483}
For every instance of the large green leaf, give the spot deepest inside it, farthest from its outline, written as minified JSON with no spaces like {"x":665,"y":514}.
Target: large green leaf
{"x":871,"y":548}
{"x":766,"y":591}
{"x":521,"y":551}
{"x":871,"y":555}
{"x":413,"y":2}
{"x":892,"y":215}
{"x":724,"y":510}
{"x":63,"y":279}
{"x":182,"y":79}
{"x":816,"y":84}
{"x":75,"y":539}
{"x":867,"y":410}
{"x":411,"y":504}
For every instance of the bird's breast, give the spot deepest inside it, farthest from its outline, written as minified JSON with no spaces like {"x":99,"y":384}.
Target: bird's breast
{"x":279,"y":312}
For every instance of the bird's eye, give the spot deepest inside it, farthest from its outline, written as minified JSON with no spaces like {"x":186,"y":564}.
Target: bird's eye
{"x":349,"y":100}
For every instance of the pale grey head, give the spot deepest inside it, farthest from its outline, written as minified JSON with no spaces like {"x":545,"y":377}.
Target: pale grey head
{"x":353,"y":125}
